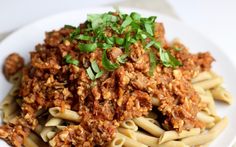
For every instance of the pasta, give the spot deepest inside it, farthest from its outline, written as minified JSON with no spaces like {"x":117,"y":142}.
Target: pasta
{"x":148,"y":126}
{"x":66,"y":114}
{"x":219,"y":93}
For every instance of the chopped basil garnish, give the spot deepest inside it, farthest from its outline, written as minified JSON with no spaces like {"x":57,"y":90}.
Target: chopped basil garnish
{"x":87,"y":47}
{"x":90,"y":73}
{"x":69,"y":27}
{"x":83,"y":37}
{"x":69,"y":60}
{"x":168,"y":60}
{"x":135,"y":16}
{"x":107,"y":64}
{"x":99,"y":74}
{"x":126,"y":22}
{"x":120,"y":41}
{"x":122,"y":58}
{"x":95,"y":66}
{"x":153,"y":62}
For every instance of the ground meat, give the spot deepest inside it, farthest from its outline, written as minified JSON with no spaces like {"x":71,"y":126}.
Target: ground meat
{"x":13,"y":63}
{"x":14,"y":134}
{"x":120,"y":94}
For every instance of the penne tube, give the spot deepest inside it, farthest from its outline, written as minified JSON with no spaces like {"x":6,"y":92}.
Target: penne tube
{"x":207,"y":137}
{"x":153,"y":121}
{"x":44,"y":132}
{"x":204,"y":117}
{"x":117,"y":142}
{"x":202,"y":77}
{"x":148,"y":126}
{"x":66,"y":114}
{"x":173,"y":135}
{"x":130,"y":142}
{"x":199,"y":89}
{"x":129,"y":124}
{"x":211,"y":83}
{"x":127,"y":132}
{"x":51,"y":134}
{"x":53,"y":122}
{"x":155,"y":101}
{"x":146,"y":139}
{"x":173,"y":144}
{"x":207,"y":98}
{"x":219,"y":93}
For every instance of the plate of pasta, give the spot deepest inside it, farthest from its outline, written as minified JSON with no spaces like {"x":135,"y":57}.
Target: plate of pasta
{"x":104,"y":77}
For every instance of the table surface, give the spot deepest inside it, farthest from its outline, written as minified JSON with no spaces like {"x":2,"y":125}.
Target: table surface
{"x":215,"y":19}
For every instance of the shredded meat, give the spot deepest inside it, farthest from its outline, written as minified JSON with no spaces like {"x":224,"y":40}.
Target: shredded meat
{"x":125,"y":93}
{"x":13,"y":63}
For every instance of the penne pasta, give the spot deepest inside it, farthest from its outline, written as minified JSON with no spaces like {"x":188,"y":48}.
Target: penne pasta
{"x":129,"y":124}
{"x":211,"y":83}
{"x":53,"y":122}
{"x":146,"y":139}
{"x":219,"y":93}
{"x":204,"y":117}
{"x":130,"y":142}
{"x":117,"y":142}
{"x":44,"y":132}
{"x":148,"y":126}
{"x":127,"y":132}
{"x":66,"y":114}
{"x":173,"y":135}
{"x":202,"y":77}
{"x":207,"y":137}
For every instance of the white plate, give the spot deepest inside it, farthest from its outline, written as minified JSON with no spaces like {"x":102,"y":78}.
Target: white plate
{"x":24,"y":40}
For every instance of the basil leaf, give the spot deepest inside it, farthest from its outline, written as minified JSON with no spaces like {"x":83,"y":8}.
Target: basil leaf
{"x":99,"y":74}
{"x":95,"y":19}
{"x":69,"y":60}
{"x":126,"y":22}
{"x":95,"y":66}
{"x":177,"y":48}
{"x":83,"y":37}
{"x":107,"y":64}
{"x":122,"y":58}
{"x":74,"y":33}
{"x":90,"y":73}
{"x":149,"y":28}
{"x":87,"y":47}
{"x":153,"y":62}
{"x":120,"y":41}
{"x":110,"y":40}
{"x":135,"y":16}
{"x":168,"y":60}
{"x":150,"y":44}
{"x":69,"y":27}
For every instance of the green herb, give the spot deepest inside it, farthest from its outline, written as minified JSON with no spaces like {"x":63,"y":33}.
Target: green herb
{"x":87,"y":47}
{"x":95,"y":19}
{"x":69,"y":27}
{"x":122,"y":58}
{"x":110,"y":40}
{"x":83,"y":37}
{"x":104,"y":45}
{"x":149,"y":28}
{"x":69,"y":60}
{"x":168,"y":60}
{"x":135,"y":16}
{"x":90,"y":73}
{"x":120,"y":41}
{"x":153,"y":62}
{"x":95,"y":66}
{"x":107,"y":64}
{"x":99,"y":74}
{"x":126,"y":22}
{"x":150,"y":44}
{"x":74,"y":33}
